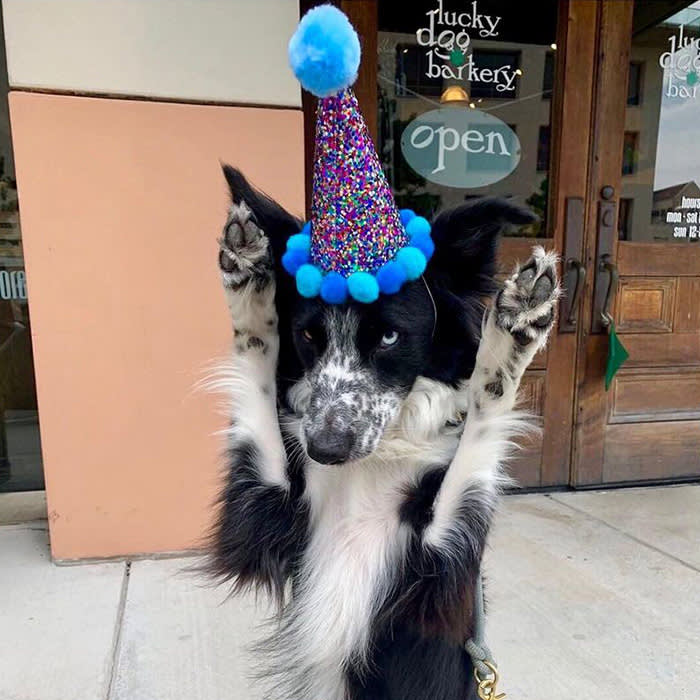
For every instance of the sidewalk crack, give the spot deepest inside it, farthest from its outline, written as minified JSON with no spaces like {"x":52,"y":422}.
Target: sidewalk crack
{"x":116,"y":641}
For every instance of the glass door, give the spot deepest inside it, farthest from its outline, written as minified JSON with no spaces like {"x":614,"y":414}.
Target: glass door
{"x":643,"y":249}
{"x":20,"y":448}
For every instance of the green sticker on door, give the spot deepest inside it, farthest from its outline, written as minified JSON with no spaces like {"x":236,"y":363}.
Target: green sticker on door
{"x":460,"y":147}
{"x":617,"y":355}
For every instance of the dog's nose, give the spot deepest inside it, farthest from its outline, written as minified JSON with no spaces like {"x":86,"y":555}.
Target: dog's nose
{"x":331,"y":446}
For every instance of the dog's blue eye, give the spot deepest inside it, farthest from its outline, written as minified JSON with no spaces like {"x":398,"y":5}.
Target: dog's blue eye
{"x":389,"y":339}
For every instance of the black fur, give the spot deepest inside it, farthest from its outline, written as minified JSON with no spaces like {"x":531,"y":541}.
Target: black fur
{"x":460,"y":275}
{"x":409,"y":666}
{"x":435,"y":590}
{"x":416,"y":510}
{"x":260,"y":530}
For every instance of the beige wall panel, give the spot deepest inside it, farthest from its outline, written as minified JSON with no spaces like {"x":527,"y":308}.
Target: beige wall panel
{"x":121,"y":203}
{"x":212,"y":50}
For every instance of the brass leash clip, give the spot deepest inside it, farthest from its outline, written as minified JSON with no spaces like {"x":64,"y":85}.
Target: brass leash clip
{"x":486,"y":688}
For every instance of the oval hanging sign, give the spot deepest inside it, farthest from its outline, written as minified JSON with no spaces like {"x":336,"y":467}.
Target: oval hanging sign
{"x":460,"y":147}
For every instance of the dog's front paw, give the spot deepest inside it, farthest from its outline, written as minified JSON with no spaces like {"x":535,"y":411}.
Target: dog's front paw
{"x":244,"y":250}
{"x":526,"y":305}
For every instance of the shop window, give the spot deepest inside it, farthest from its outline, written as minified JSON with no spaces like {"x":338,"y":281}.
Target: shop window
{"x":548,"y":76}
{"x":630,"y":152}
{"x":543,"y":149}
{"x":634,"y":84}
{"x":412,"y":70}
{"x":494,"y":70}
{"x":624,"y":218}
{"x":660,"y":197}
{"x":20,"y":449}
{"x":494,"y":60}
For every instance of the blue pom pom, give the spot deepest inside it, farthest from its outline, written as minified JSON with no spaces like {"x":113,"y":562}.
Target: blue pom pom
{"x":306,"y":229}
{"x":299,"y":241}
{"x":416,"y":226}
{"x":293,"y":259}
{"x":308,"y":281}
{"x":413,"y":262}
{"x":334,"y":288}
{"x":406,"y":215}
{"x":424,"y":243}
{"x":391,"y":277}
{"x":363,"y":287}
{"x":324,"y":52}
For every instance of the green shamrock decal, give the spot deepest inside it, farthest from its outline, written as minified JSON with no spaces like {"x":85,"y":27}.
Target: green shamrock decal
{"x":456,"y":58}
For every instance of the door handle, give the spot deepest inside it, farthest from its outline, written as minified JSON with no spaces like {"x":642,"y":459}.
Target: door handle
{"x":606,"y":265}
{"x":574,"y":274}
{"x":580,"y":268}
{"x":605,"y":270}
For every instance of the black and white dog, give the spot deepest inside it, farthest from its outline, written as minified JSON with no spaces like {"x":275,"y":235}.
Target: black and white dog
{"x":365,"y":451}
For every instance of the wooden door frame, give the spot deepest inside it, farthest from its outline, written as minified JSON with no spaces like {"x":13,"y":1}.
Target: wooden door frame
{"x":571,"y":142}
{"x":614,"y":29}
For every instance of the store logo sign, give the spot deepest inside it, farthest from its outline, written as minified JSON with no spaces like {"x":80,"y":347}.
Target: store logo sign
{"x":460,"y":147}
{"x":13,"y":285}
{"x":448,"y":36}
{"x":682,"y":66}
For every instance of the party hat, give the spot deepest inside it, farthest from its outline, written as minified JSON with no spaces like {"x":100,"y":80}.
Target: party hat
{"x":357,"y":243}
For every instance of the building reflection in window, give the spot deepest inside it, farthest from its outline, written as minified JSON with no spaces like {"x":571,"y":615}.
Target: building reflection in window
{"x":660,"y":199}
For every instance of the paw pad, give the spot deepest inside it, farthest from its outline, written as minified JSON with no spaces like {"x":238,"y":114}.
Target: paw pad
{"x":244,"y":248}
{"x":526,"y":305}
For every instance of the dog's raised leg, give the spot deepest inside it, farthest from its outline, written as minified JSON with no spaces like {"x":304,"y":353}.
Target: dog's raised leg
{"x":515,"y":328}
{"x":249,"y":284}
{"x":259,"y":521}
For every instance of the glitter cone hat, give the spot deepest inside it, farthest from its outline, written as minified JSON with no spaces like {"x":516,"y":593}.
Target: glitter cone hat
{"x":357,"y":243}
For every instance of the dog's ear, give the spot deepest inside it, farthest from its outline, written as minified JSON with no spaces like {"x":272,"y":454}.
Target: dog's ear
{"x":466,"y":240}
{"x":460,"y":273}
{"x":272,"y":218}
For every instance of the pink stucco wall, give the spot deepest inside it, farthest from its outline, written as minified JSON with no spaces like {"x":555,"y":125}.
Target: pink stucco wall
{"x":121,"y":203}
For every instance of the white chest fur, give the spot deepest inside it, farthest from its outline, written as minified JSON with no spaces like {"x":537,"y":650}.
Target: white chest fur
{"x":356,"y":545}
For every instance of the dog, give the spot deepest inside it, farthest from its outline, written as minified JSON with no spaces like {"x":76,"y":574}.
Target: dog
{"x":365,"y":451}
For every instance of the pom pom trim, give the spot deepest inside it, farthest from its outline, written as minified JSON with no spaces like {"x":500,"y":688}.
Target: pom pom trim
{"x":334,"y":288}
{"x":363,"y":286}
{"x":309,"y":279}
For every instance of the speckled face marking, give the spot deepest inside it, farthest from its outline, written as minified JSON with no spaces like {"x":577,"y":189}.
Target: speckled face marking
{"x":345,"y":405}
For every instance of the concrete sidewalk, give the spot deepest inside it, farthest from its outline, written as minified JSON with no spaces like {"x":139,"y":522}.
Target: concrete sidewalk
{"x":593,"y":596}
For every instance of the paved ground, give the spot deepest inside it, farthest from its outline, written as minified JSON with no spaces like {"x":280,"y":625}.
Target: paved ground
{"x":593,"y":596}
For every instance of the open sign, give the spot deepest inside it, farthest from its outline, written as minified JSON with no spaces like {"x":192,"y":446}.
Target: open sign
{"x":460,"y":147}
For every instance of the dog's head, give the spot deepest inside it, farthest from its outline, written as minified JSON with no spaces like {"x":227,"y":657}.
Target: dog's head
{"x":344,"y":371}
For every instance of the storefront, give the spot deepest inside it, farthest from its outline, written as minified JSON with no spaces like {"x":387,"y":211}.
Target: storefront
{"x":597,"y":110}
{"x":585,"y":111}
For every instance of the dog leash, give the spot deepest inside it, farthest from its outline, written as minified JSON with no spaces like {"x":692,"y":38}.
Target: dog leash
{"x":485,"y":669}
